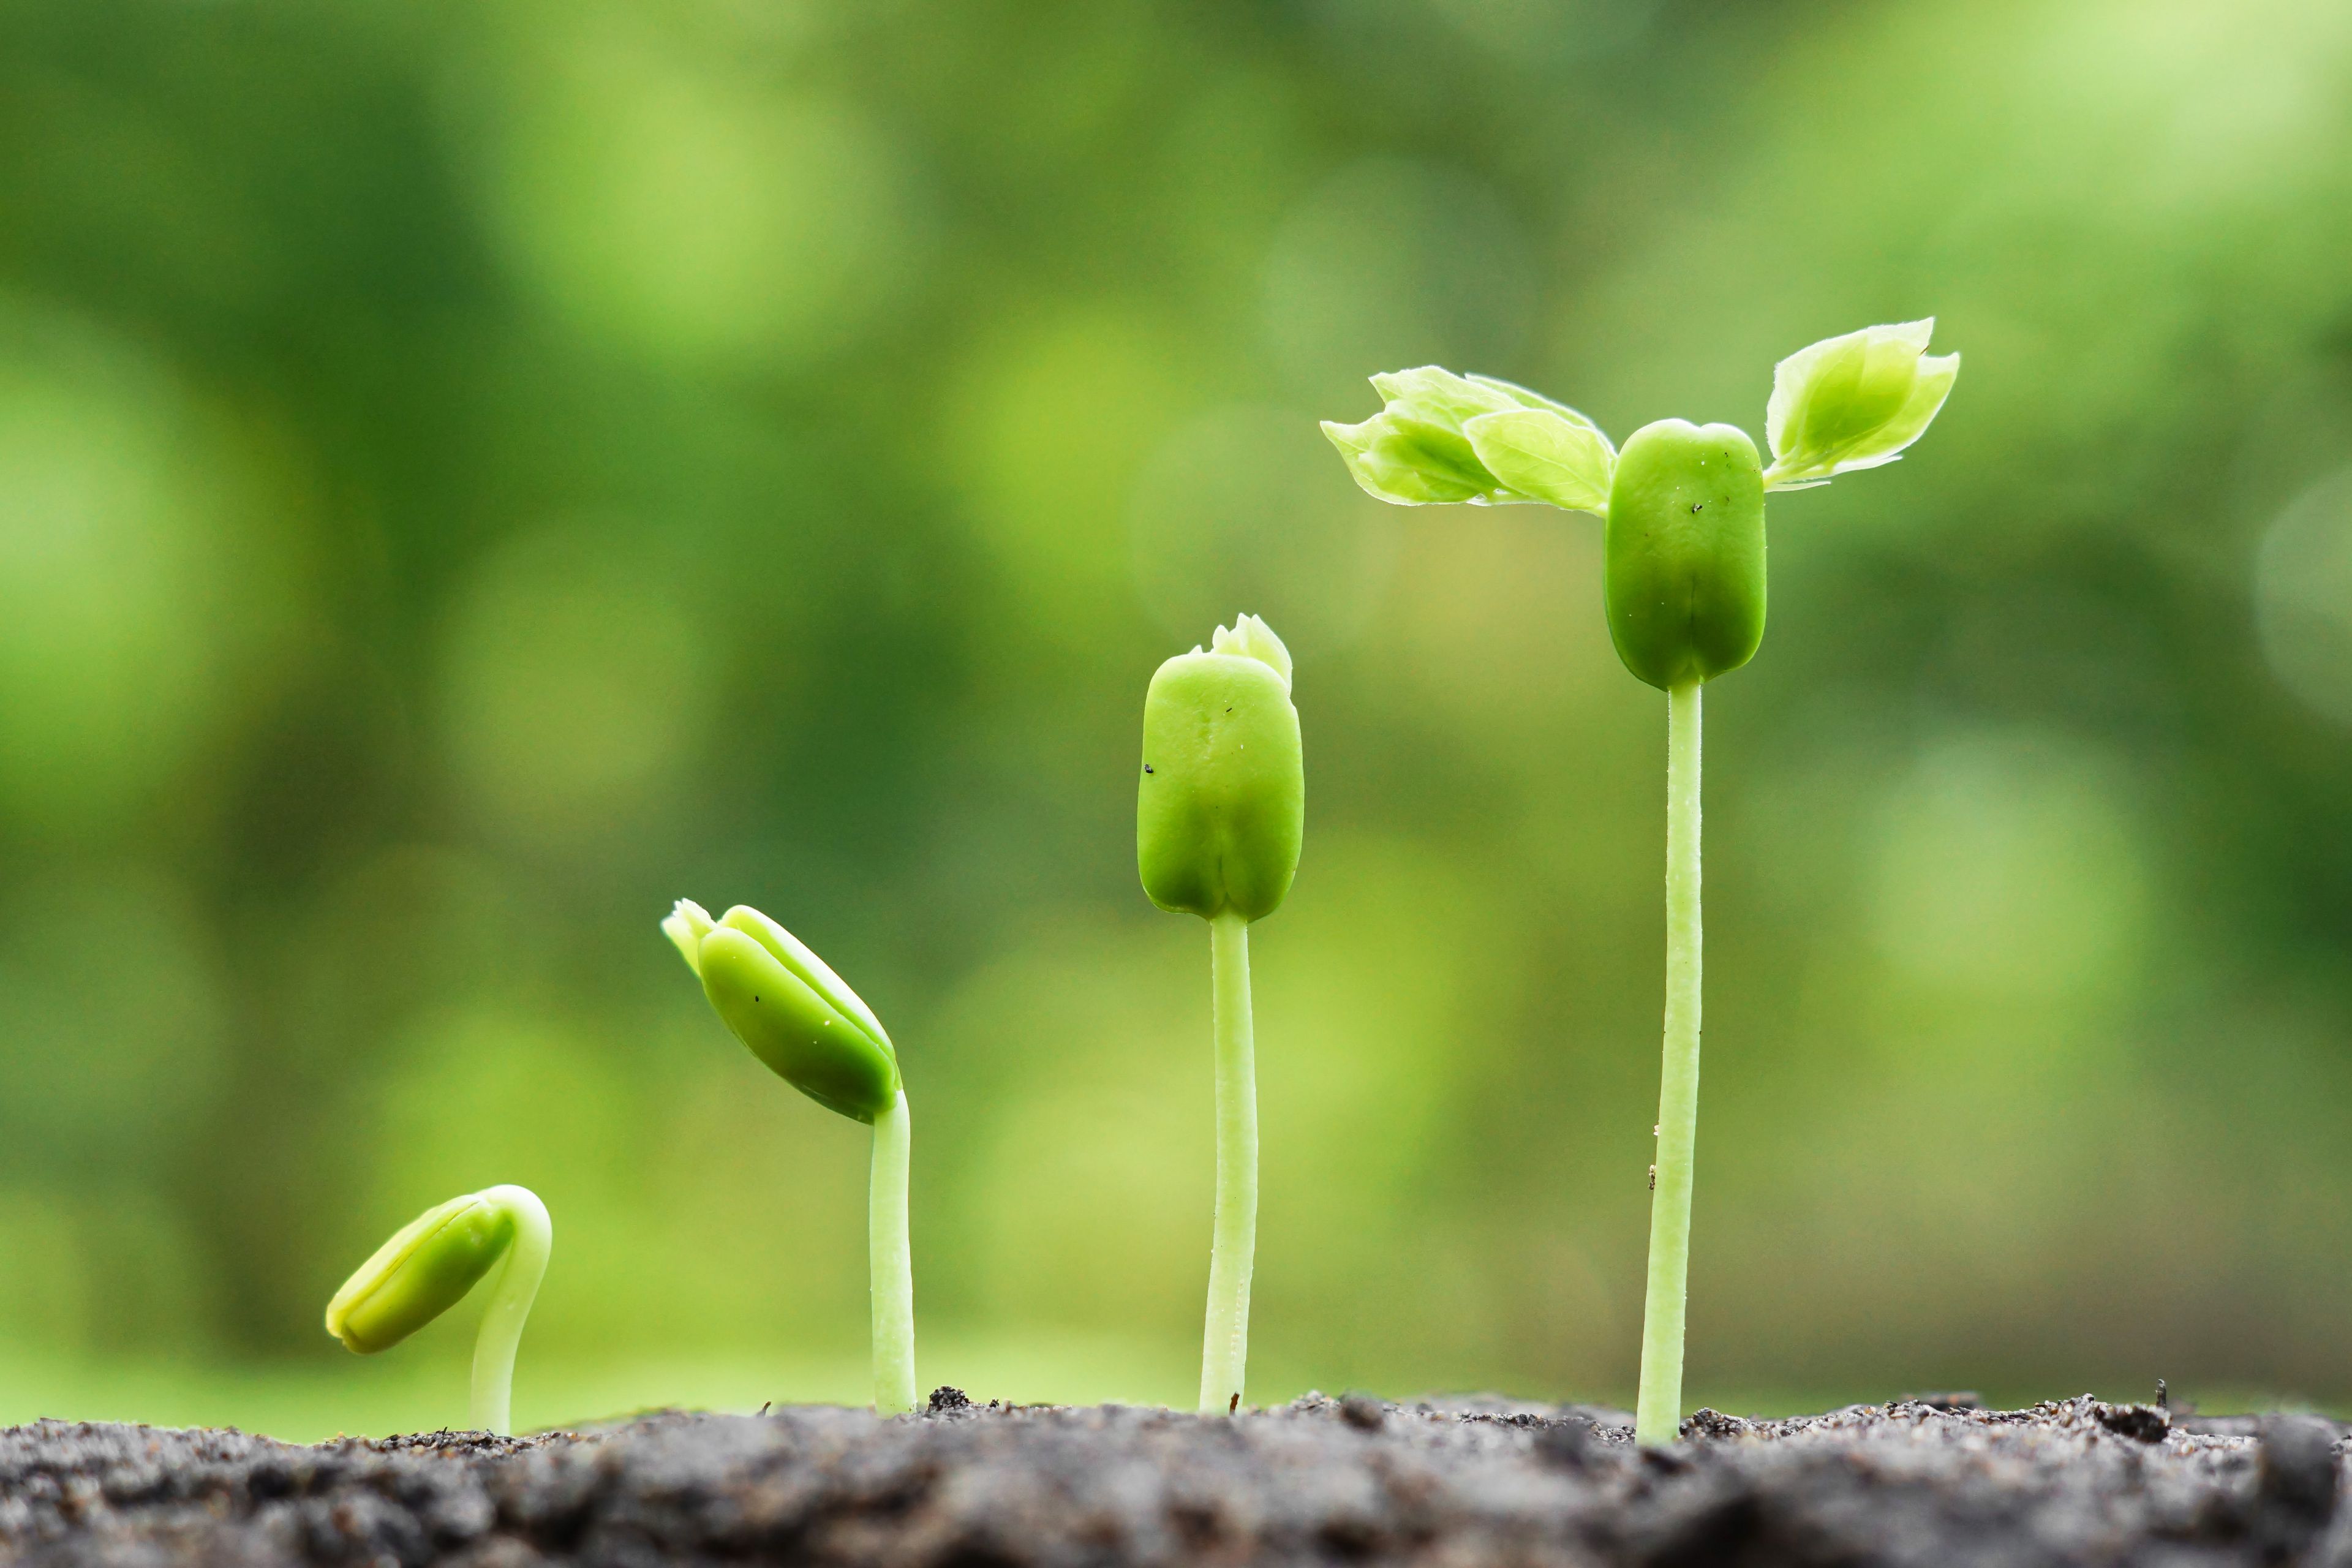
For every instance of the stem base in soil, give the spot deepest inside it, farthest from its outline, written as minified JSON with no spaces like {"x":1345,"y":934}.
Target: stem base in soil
{"x":1658,"y":1419}
{"x":892,"y":1282}
{"x":1224,"y":1351}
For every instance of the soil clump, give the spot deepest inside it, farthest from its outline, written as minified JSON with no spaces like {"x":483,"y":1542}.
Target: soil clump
{"x":1931,"y":1480}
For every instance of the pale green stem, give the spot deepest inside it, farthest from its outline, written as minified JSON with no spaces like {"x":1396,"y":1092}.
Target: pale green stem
{"x":892,"y":1264}
{"x":510,"y":1299}
{"x":1659,"y":1418}
{"x":1224,"y":1351}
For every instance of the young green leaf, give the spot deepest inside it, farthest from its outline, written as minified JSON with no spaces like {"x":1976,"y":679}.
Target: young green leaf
{"x":1853,"y":402}
{"x":1407,"y":461}
{"x":1528,"y":397}
{"x":1545,"y":456}
{"x":1251,"y":638}
{"x":1422,"y":449}
{"x":1438,"y":396}
{"x":686,"y":925}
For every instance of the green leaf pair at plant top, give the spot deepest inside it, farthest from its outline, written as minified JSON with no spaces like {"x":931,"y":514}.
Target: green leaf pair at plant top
{"x":1684,"y":580}
{"x":794,"y":1013}
{"x":1446,"y":437}
{"x":1853,"y":402}
{"x":1221,"y":804}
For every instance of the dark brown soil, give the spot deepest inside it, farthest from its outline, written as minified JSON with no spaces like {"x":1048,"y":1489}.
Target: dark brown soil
{"x":1450,"y":1482}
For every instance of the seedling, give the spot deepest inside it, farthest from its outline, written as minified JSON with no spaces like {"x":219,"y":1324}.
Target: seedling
{"x":1218,"y":817}
{"x":816,"y":1034}
{"x":429,"y":1265}
{"x":1683,"y":585}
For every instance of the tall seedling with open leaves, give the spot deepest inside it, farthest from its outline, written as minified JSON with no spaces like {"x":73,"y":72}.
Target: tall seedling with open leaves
{"x":1683,"y":585}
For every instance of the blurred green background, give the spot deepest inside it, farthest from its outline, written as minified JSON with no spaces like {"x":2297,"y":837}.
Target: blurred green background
{"x":472,"y":473}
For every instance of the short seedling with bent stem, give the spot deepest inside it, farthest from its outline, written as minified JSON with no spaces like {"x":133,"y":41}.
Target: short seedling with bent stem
{"x":818,"y":1035}
{"x":429,"y":1265}
{"x":1220,"y":811}
{"x":1684,"y":590}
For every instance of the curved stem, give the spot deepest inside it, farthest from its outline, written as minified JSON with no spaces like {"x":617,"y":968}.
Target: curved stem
{"x":1659,"y":1416}
{"x":1224,"y":1351}
{"x":892,"y":1264}
{"x":510,"y":1299}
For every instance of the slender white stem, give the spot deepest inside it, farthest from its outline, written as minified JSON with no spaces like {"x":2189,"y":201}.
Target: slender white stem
{"x":892,"y":1263}
{"x":1658,"y":1419}
{"x":510,"y":1299}
{"x":1224,"y":1353}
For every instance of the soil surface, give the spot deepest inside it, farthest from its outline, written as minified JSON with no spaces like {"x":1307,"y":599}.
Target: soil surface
{"x":1355,"y":1480}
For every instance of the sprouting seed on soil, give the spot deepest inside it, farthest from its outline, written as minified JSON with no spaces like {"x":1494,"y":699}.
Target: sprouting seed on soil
{"x":809,"y":1028}
{"x":429,"y":1265}
{"x":1685,"y":602}
{"x":1217,"y":834}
